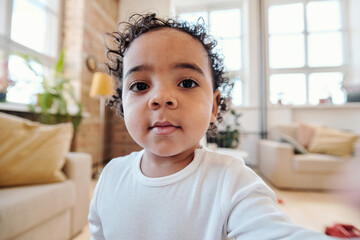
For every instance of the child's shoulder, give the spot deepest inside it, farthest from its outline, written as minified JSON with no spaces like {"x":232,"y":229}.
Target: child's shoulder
{"x":232,"y":168}
{"x":215,"y":161}
{"x":224,"y":160}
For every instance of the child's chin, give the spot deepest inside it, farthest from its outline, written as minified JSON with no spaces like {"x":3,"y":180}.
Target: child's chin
{"x":172,"y":151}
{"x":166,"y":151}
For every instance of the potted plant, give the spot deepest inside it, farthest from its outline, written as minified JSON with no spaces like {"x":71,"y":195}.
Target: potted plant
{"x":229,"y":136}
{"x":52,"y":103}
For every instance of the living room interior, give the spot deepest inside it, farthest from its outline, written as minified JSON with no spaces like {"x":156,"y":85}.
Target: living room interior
{"x":295,"y":115}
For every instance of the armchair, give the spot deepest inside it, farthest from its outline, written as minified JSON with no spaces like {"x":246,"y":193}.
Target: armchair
{"x":285,"y":169}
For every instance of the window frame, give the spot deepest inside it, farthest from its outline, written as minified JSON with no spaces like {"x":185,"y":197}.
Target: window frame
{"x":10,"y":47}
{"x":344,"y":68}
{"x":225,"y":6}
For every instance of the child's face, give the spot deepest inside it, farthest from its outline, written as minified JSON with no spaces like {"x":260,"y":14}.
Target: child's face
{"x":168,"y":98}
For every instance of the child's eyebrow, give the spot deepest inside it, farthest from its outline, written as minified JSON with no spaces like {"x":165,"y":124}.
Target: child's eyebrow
{"x":185,"y":65}
{"x":180,"y":65}
{"x":138,"y":68}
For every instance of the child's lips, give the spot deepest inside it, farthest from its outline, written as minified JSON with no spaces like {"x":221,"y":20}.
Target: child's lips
{"x":163,"y":128}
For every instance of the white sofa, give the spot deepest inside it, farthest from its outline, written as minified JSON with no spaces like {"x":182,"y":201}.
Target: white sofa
{"x":48,"y":211}
{"x":283,"y":168}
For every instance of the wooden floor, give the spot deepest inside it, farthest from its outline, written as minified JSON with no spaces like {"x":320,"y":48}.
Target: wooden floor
{"x":316,"y":210}
{"x":310,"y":209}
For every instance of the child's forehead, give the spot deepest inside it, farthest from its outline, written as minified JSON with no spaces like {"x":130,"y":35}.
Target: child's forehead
{"x":166,"y":51}
{"x":170,"y":35}
{"x":166,"y":43}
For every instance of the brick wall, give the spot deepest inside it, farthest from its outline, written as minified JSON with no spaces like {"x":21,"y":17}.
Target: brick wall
{"x":85,"y":22}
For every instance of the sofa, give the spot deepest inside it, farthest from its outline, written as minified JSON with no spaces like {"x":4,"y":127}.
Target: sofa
{"x":313,"y":170}
{"x":48,"y":211}
{"x":44,"y":188}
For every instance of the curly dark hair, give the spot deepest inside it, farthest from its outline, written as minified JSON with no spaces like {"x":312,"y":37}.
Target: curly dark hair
{"x":119,"y":41}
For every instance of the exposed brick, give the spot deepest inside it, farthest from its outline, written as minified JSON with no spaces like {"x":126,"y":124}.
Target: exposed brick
{"x":85,"y":22}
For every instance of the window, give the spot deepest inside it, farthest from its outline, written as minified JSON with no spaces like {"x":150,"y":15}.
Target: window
{"x":29,"y":27}
{"x":225,"y":26}
{"x":305,"y":47}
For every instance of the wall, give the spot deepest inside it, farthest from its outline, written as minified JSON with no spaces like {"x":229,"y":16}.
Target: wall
{"x":251,"y":60}
{"x":345,"y":117}
{"x":354,"y":26}
{"x":85,"y":22}
{"x":127,"y":7}
{"x":249,"y":132}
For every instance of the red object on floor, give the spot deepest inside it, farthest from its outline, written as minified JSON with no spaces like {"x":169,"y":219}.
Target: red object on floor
{"x":280,"y":201}
{"x":342,"y":231}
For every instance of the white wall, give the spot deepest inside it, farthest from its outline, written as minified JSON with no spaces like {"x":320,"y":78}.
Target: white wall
{"x":249,"y":132}
{"x":354,"y":27}
{"x":127,"y":7}
{"x":251,"y":59}
{"x":339,"y":117}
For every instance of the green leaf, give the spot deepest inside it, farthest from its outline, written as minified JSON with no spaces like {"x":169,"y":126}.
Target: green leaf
{"x":54,"y":100}
{"x":29,"y":59}
{"x":59,"y":68}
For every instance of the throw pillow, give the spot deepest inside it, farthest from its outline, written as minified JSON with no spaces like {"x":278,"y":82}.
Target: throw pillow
{"x":333,"y":142}
{"x":30,"y":152}
{"x":298,"y":148}
{"x":305,"y":133}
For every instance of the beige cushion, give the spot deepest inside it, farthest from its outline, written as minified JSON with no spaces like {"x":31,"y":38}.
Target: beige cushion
{"x":30,"y":152}
{"x":24,"y":207}
{"x":298,"y":148}
{"x":305,"y":133}
{"x":318,"y":163}
{"x":333,"y":142}
{"x":281,"y":129}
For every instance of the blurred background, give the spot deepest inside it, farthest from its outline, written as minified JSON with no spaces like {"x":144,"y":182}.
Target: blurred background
{"x":295,"y":64}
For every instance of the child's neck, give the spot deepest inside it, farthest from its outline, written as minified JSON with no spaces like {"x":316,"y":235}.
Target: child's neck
{"x":155,"y":166}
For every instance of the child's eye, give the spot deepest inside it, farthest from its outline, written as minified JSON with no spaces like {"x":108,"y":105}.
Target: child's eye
{"x":139,"y":86}
{"x":188,"y":83}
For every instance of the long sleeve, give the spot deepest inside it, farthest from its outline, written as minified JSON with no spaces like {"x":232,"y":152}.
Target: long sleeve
{"x":252,"y":213}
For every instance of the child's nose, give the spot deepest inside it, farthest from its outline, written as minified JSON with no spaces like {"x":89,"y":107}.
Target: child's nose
{"x":162,"y":99}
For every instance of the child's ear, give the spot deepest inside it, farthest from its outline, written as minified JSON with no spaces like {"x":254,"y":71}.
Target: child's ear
{"x":216,"y":102}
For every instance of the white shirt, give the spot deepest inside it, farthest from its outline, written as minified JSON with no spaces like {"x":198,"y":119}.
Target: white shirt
{"x":214,"y":197}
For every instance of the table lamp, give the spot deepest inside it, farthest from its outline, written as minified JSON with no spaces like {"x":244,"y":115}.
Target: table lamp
{"x":102,"y":87}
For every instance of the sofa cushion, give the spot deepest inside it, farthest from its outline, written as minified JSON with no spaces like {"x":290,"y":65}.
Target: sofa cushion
{"x":31,"y":152}
{"x":333,"y":142}
{"x":298,"y":148}
{"x":318,"y":163}
{"x":18,"y":205}
{"x":287,"y":129}
{"x":305,"y":133}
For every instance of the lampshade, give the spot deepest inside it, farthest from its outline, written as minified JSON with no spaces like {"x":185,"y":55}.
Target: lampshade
{"x":102,"y":85}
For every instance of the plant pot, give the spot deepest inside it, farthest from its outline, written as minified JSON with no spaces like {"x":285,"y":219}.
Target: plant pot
{"x":225,"y":139}
{"x":45,"y":100}
{"x":2,"y":96}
